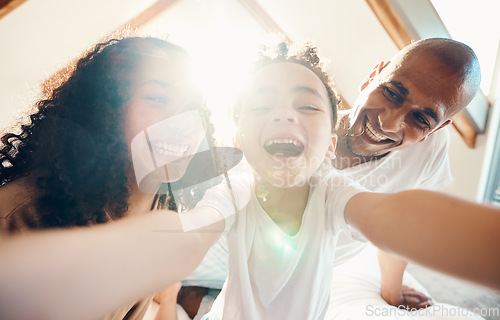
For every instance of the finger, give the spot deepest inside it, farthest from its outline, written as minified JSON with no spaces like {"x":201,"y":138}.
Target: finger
{"x":425,"y":304}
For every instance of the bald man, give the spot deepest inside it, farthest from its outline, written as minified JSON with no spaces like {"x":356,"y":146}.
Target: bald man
{"x":393,"y":140}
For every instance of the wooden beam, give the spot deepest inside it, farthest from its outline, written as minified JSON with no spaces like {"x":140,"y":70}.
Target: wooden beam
{"x":391,"y":22}
{"x":263,"y":18}
{"x":7,"y":6}
{"x":462,"y":124}
{"x":150,"y":13}
{"x":399,"y":33}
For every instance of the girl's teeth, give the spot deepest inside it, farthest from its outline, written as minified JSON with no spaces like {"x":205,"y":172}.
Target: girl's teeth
{"x":282,"y":140}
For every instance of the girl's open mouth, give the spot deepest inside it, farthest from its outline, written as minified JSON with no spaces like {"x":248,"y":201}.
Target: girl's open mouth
{"x":284,"y":147}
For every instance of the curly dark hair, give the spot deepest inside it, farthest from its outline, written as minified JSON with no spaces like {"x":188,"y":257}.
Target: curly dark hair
{"x":305,"y":55}
{"x":73,"y":149}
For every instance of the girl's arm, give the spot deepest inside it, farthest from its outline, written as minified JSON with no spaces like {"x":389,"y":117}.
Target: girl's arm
{"x":442,"y":232}
{"x":85,"y":273}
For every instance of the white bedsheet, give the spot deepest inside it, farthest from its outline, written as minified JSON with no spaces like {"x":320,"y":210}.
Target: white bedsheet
{"x":356,"y":295}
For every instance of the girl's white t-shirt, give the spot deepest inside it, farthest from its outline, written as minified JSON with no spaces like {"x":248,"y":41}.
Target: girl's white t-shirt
{"x":273,"y":275}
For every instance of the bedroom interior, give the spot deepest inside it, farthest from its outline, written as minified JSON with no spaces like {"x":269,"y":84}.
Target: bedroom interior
{"x":38,"y":38}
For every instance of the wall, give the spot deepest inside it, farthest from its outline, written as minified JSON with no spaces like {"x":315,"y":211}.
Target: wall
{"x":40,"y":37}
{"x":470,"y":167}
{"x":466,"y":166}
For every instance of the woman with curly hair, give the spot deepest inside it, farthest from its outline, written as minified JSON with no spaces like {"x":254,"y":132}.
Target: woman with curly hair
{"x":74,"y":154}
{"x":79,"y":162}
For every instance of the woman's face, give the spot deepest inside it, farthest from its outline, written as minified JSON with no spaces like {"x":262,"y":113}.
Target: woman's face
{"x":162,"y":126}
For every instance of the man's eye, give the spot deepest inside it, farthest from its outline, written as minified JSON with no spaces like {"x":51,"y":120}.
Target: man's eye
{"x":392,"y":95}
{"x":421,"y":119}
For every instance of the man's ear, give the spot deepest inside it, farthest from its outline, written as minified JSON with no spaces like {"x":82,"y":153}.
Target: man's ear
{"x":331,"y":148}
{"x":447,"y":122}
{"x":375,"y":71}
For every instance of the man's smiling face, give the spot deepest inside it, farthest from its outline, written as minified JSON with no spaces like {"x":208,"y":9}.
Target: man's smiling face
{"x":408,"y":100}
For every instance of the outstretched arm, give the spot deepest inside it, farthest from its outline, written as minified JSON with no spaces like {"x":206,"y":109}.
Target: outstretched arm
{"x":392,"y":290}
{"x":88,"y":272}
{"x":442,"y":232}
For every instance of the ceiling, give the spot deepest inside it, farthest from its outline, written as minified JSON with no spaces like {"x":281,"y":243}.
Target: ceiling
{"x":39,"y":37}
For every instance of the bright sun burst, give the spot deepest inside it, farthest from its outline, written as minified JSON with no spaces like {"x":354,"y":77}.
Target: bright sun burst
{"x":221,"y":77}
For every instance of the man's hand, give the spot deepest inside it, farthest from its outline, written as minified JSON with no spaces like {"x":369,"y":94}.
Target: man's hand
{"x":412,"y":299}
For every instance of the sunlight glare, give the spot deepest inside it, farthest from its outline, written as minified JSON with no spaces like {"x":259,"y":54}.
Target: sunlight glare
{"x":222,"y":65}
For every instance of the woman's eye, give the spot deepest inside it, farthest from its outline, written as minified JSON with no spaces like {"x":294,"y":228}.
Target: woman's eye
{"x":391,"y":95}
{"x":158,"y":99}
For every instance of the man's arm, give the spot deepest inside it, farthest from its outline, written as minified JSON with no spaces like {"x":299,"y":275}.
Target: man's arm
{"x":391,"y":277}
{"x":85,"y":273}
{"x":392,"y":290}
{"x":442,"y":232}
{"x":434,"y":174}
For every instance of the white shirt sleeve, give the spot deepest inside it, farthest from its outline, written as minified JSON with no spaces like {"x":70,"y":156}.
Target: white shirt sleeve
{"x":339,"y":191}
{"x":437,"y":171}
{"x":228,"y":197}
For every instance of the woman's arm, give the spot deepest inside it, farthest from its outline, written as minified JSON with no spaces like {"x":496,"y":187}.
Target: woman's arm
{"x":443,"y":232}
{"x":86,"y":273}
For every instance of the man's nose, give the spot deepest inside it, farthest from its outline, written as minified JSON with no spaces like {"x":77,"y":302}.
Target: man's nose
{"x":392,"y":120}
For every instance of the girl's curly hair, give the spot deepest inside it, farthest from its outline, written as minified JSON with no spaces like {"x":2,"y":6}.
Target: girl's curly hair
{"x":305,"y":55}
{"x":73,"y":149}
